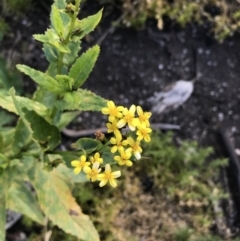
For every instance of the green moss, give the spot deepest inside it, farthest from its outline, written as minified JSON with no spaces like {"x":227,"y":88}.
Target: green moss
{"x":223,"y":15}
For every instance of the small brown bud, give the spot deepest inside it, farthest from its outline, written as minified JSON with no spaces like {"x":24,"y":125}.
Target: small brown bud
{"x":99,"y":135}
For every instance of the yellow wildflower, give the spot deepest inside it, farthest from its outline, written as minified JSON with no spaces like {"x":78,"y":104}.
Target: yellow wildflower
{"x":143,"y":116}
{"x":92,"y":172}
{"x":112,"y":127}
{"x":124,"y":158}
{"x":118,"y":143}
{"x":96,"y":158}
{"x":113,"y":111}
{"x":108,"y":176}
{"x":143,"y":133}
{"x":134,"y":147}
{"x":79,"y":164}
{"x":128,"y":118}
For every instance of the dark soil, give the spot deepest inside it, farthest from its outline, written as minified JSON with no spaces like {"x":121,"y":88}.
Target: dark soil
{"x":133,"y":65}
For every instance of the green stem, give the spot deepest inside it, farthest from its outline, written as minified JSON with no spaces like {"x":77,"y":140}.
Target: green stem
{"x":71,"y":28}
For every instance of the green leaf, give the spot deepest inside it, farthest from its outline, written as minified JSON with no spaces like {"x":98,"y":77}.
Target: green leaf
{"x":5,"y":118}
{"x":54,"y":195}
{"x":89,"y":145}
{"x":45,"y":97}
{"x":60,"y":4}
{"x":6,"y":102}
{"x":44,"y":80}
{"x":79,"y":178}
{"x":66,"y":118}
{"x":22,"y":137}
{"x":56,"y":21}
{"x":2,"y":213}
{"x":20,"y":199}
{"x":88,"y":24}
{"x":1,"y":143}
{"x":50,"y":37}
{"x":41,"y":37}
{"x":65,"y":82}
{"x":81,"y":100}
{"x":9,"y":77}
{"x":7,"y":135}
{"x":51,"y":53}
{"x":47,"y":135}
{"x":84,"y":65}
{"x":3,"y":161}
{"x":69,"y":58}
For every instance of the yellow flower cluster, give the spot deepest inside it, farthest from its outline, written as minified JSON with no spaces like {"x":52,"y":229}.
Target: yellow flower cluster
{"x":93,"y":174}
{"x":124,"y":146}
{"x":120,"y":117}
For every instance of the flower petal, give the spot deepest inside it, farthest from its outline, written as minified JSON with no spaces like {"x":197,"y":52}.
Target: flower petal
{"x":77,"y":170}
{"x":107,"y":168}
{"x":137,"y":155}
{"x":114,"y":149}
{"x":116,"y":174}
{"x":121,"y":123}
{"x":103,"y":182}
{"x":105,"y":111}
{"x":113,"y":183}
{"x":75,"y":163}
{"x":87,"y":169}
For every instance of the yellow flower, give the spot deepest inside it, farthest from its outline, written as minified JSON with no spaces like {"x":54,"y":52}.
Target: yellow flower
{"x":96,"y":158}
{"x":143,"y":116}
{"x":124,"y":158}
{"x":118,"y":143}
{"x":108,"y":176}
{"x":112,"y":127}
{"x":79,"y":164}
{"x":143,"y":133}
{"x":134,"y":147}
{"x":112,"y":110}
{"x":92,"y":172}
{"x":128,"y":118}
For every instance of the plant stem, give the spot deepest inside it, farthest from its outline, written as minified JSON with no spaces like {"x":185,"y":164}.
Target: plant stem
{"x":73,"y":20}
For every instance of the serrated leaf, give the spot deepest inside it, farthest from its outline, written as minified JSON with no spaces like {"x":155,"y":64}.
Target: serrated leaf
{"x":54,"y":194}
{"x":89,"y":145}
{"x":6,"y":102}
{"x":56,"y":21}
{"x":44,"y":80}
{"x":47,"y":135}
{"x":88,"y":24}
{"x":22,"y":137}
{"x":20,"y":199}
{"x":81,"y":100}
{"x":84,"y":65}
{"x":41,"y":37}
{"x":66,"y":118}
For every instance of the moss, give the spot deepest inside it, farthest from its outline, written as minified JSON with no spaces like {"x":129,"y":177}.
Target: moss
{"x":223,"y":16}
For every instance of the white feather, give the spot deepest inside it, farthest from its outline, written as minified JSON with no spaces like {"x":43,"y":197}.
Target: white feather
{"x":174,"y":96}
